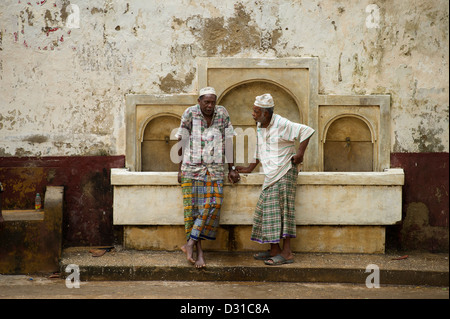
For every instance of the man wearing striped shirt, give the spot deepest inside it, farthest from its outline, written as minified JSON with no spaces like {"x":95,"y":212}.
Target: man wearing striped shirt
{"x":204,"y":131}
{"x":274,"y":217}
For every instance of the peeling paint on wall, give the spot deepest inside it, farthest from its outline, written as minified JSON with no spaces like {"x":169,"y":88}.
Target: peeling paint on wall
{"x":65,"y":66}
{"x":427,"y":139}
{"x":228,"y":37}
{"x":170,"y":84}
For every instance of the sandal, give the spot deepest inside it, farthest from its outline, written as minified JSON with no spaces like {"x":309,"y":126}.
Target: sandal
{"x":278,"y":260}
{"x":262,"y":256}
{"x":98,"y":252}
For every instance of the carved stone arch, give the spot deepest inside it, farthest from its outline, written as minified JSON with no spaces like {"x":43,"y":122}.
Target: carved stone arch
{"x":360,"y":117}
{"x":156,"y":141}
{"x":264,"y":85}
{"x":349,"y":144}
{"x":239,"y":98}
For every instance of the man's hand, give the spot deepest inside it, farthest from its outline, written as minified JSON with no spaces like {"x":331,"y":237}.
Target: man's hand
{"x":297,"y":159}
{"x":244,"y":170}
{"x":233,"y":176}
{"x":249,"y":168}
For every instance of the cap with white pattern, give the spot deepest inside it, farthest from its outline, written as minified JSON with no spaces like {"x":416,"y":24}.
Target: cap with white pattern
{"x":264,"y":101}
{"x":207,"y":90}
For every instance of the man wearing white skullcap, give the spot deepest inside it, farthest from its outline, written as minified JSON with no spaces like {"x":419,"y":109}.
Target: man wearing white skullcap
{"x":274,"y":217}
{"x":204,"y":131}
{"x":264,"y":101}
{"x":207,"y":90}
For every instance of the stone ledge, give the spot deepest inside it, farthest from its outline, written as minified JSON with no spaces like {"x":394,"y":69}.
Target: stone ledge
{"x":22,"y":215}
{"x":154,"y":198}
{"x":391,"y":177}
{"x":30,"y":241}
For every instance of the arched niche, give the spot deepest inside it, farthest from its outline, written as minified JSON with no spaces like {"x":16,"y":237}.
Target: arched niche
{"x":239,"y":101}
{"x":156,"y":144}
{"x":349,"y":145}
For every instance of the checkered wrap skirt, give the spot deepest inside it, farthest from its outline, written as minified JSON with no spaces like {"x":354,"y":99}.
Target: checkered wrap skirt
{"x":202,"y":200}
{"x":274,"y":216}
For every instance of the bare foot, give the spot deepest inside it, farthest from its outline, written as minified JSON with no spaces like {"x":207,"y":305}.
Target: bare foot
{"x":188,"y":249}
{"x":200,"y":263}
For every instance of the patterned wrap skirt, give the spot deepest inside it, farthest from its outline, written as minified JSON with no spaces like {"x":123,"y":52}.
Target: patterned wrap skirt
{"x":202,"y":200}
{"x":274,"y":216}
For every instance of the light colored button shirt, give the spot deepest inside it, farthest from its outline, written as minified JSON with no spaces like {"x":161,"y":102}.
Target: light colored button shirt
{"x":276,"y":146}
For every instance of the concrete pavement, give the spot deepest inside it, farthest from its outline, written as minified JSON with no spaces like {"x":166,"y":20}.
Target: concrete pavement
{"x":129,"y":274}
{"x":38,"y":287}
{"x":418,"y":268}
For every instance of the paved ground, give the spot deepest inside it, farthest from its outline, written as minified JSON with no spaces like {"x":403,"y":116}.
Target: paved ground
{"x":126,"y":274}
{"x":20,"y":286}
{"x":233,"y":285}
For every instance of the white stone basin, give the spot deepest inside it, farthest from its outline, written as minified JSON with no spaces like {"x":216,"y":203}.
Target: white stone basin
{"x":323,"y":198}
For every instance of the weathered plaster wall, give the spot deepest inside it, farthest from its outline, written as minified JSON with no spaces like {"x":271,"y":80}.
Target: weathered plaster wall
{"x":66,"y":65}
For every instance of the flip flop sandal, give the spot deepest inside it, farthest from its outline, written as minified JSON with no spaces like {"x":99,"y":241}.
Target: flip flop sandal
{"x":100,"y":251}
{"x":278,"y":260}
{"x":262,"y":256}
{"x":97,"y":252}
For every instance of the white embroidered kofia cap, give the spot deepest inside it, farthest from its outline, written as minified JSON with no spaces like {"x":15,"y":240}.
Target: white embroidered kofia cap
{"x":264,"y":101}
{"x":207,"y":90}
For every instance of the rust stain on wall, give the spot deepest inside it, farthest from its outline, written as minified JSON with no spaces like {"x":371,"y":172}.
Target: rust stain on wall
{"x":21,"y":185}
{"x":87,"y":192}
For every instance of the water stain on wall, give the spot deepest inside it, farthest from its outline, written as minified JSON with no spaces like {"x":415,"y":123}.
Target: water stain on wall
{"x":230,"y":36}
{"x":170,"y":84}
{"x":427,"y":139}
{"x":217,"y":36}
{"x":417,"y":233}
{"x":37,"y":138}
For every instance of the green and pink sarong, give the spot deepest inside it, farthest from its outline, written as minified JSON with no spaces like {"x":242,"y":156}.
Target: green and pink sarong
{"x":274,"y":216}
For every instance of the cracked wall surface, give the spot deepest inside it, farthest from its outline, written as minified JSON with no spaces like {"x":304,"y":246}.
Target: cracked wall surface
{"x":65,"y":66}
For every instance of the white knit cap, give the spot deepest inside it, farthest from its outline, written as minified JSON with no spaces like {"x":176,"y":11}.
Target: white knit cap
{"x":264,"y":101}
{"x":207,"y":90}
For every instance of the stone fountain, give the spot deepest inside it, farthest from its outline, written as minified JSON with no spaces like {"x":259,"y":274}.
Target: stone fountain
{"x":347,"y":192}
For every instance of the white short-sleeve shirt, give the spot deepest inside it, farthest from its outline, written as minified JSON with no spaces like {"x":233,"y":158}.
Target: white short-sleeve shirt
{"x":275,"y":146}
